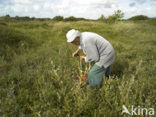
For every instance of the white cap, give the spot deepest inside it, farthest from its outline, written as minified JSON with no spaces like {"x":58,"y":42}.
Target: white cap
{"x":72,"y":34}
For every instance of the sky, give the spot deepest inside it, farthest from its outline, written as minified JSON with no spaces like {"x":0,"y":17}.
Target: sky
{"x":90,"y":9}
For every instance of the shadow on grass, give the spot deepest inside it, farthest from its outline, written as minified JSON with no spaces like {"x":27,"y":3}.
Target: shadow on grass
{"x":118,"y":67}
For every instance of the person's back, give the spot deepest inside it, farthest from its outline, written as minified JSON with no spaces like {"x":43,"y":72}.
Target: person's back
{"x":104,"y":48}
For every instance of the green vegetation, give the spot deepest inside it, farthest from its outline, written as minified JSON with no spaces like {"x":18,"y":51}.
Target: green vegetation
{"x":58,"y":18}
{"x":112,"y":19}
{"x":37,"y":70}
{"x":139,"y":17}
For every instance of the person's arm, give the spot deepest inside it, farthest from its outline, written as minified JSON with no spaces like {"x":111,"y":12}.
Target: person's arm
{"x":76,"y":52}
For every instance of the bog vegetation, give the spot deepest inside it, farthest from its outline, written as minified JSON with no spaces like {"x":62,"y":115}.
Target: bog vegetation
{"x":37,"y":70}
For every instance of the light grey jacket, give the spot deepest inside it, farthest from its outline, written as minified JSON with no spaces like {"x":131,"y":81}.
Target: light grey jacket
{"x":97,"y":49}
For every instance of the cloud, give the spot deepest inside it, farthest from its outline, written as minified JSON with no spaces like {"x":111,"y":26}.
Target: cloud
{"x":98,"y":3}
{"x":154,"y":2}
{"x":132,"y":4}
{"x":140,"y":1}
{"x":91,"y":9}
{"x":36,"y":7}
{"x":25,"y":1}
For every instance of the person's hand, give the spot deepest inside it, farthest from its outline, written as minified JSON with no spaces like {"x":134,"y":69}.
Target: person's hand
{"x":75,"y":54}
{"x":82,"y":57}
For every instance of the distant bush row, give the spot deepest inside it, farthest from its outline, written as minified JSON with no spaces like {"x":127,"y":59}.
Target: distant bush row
{"x":56,"y":18}
{"x":71,"y":18}
{"x":118,"y":15}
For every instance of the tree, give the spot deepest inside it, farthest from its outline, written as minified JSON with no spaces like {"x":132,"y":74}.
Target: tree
{"x":118,"y":15}
{"x":58,"y":18}
{"x":7,"y":16}
{"x":102,"y":18}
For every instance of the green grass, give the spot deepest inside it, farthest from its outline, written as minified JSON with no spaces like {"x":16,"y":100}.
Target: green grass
{"x":37,"y":70}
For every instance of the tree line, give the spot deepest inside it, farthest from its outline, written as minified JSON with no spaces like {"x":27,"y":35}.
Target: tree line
{"x":117,"y":16}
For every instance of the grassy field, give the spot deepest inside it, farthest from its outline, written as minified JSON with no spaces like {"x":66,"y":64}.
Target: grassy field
{"x":37,"y":69}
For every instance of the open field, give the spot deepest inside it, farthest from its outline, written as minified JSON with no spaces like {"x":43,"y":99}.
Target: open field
{"x":37,"y":70}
